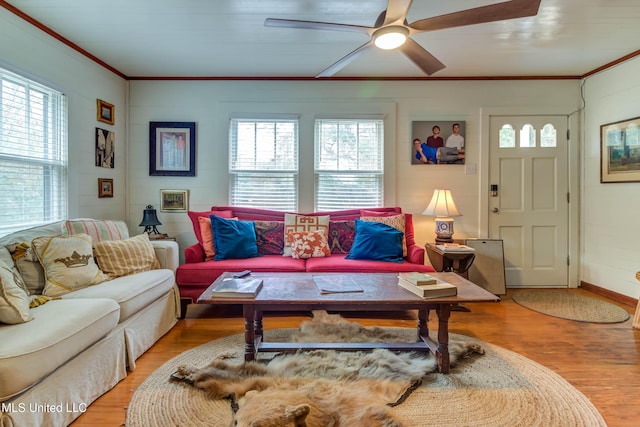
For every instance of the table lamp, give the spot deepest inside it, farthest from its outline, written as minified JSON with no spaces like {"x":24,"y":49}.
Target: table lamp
{"x":150,"y":220}
{"x":443,"y":208}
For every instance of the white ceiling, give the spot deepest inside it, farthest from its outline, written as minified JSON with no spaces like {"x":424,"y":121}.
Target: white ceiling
{"x":227,"y":38}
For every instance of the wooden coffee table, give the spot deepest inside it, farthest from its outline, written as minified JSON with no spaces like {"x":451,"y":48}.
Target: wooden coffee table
{"x":295,"y":292}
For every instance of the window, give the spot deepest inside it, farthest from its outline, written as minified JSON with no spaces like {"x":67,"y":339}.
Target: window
{"x":349,"y":163}
{"x":507,"y":136}
{"x":263,"y":163}
{"x":33,"y":154}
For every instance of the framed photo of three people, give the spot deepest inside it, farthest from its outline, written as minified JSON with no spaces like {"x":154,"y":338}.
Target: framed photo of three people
{"x":438,"y":142}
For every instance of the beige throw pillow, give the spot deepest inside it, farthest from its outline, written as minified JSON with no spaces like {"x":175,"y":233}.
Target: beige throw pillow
{"x":118,"y":258}
{"x":68,"y":263}
{"x":395,"y":221}
{"x":293,"y":223}
{"x":14,"y":300}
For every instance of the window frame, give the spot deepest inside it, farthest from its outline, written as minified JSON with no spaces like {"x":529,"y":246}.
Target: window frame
{"x":264,"y":175}
{"x":43,"y":147}
{"x":377,"y":173}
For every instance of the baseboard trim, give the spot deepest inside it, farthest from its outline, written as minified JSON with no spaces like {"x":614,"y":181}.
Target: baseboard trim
{"x":623,"y":299}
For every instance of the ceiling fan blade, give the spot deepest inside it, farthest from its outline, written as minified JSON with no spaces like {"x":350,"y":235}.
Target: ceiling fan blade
{"x":397,"y":11}
{"x":421,"y":57}
{"x":344,"y":61}
{"x":478,"y":15}
{"x":315,"y":25}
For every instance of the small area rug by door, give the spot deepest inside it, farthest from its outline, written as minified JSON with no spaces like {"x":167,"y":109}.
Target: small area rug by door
{"x":571,"y":306}
{"x":499,"y":388}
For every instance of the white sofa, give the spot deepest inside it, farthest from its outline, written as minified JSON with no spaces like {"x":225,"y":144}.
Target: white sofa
{"x":78,"y":347}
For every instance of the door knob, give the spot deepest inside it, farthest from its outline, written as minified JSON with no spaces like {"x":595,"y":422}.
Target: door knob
{"x":495,"y":210}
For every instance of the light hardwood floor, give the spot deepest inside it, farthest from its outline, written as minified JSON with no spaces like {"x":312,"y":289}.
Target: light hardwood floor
{"x":600,"y":360}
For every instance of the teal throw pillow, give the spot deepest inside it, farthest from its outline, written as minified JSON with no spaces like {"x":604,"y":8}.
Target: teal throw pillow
{"x":376,"y":241}
{"x":234,"y":239}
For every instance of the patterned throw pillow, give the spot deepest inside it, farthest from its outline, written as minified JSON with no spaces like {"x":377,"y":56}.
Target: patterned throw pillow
{"x":293,"y":222}
{"x":308,"y":244}
{"x":119,"y":258}
{"x":396,"y":221}
{"x":68,"y":263}
{"x":341,"y":235}
{"x":14,"y":299}
{"x":270,"y":237}
{"x":98,"y":229}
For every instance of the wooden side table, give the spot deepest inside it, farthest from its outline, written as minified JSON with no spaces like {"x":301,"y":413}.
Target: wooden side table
{"x":458,"y":262}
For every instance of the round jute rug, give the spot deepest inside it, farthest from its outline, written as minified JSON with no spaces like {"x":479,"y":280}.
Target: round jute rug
{"x":571,"y":306}
{"x":499,"y":388}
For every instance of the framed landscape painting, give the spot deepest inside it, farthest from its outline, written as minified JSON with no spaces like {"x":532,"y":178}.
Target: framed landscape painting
{"x":172,"y":149}
{"x":438,"y":142}
{"x":620,"y":151}
{"x":174,"y":200}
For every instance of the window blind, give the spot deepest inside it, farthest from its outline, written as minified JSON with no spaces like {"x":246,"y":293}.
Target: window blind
{"x":33,"y":153}
{"x":263,"y":163}
{"x":349,"y":163}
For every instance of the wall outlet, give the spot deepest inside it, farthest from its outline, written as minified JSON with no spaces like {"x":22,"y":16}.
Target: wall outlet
{"x":471,"y":169}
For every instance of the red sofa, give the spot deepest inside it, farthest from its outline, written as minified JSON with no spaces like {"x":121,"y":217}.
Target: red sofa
{"x":196,"y":274}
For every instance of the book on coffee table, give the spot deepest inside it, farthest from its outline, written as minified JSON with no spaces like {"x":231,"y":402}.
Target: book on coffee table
{"x":331,"y":284}
{"x":418,"y":278}
{"x":441,"y":289}
{"x":237,"y":288}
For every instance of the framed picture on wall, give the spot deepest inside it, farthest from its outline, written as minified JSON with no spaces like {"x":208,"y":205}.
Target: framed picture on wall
{"x":438,"y":142}
{"x":620,"y":151}
{"x":174,"y":200}
{"x":172,"y":150}
{"x":106,"y":112}
{"x":105,"y":148}
{"x":105,"y":187}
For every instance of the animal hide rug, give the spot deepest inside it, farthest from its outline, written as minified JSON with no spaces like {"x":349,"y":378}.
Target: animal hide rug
{"x":321,"y":387}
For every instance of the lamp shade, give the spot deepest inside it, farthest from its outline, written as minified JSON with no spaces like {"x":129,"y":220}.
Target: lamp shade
{"x":150,"y":220}
{"x":442,"y":204}
{"x":443,"y":208}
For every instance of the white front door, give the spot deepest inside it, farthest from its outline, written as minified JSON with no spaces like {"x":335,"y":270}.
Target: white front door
{"x":530,"y":208}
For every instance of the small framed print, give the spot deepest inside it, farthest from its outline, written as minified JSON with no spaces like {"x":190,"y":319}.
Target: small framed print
{"x":106,"y":112}
{"x":172,"y":148}
{"x":174,"y":200}
{"x":620,"y":151}
{"x":105,"y":187}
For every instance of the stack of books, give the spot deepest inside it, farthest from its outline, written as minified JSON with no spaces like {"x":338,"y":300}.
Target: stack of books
{"x":426,"y":286}
{"x":237,"y":288}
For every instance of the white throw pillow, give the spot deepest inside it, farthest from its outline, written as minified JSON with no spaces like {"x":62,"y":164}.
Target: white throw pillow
{"x":68,"y":263}
{"x":14,"y":300}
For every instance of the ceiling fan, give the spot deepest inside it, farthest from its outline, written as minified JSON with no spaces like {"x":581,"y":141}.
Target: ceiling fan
{"x":391,"y":30}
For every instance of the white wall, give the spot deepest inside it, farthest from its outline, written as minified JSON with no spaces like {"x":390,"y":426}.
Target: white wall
{"x":210,"y":103}
{"x":609,"y":224}
{"x":30,"y":52}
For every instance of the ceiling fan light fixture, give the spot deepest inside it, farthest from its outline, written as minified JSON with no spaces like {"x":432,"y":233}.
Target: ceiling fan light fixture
{"x":390,"y":37}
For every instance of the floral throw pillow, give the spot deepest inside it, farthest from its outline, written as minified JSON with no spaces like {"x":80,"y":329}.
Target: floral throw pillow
{"x":293,"y":222}
{"x":308,"y":244}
